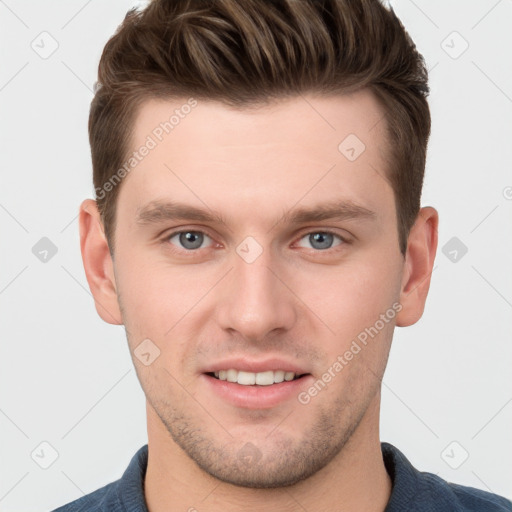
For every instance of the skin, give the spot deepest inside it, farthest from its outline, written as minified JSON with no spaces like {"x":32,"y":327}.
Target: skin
{"x":294,"y":301}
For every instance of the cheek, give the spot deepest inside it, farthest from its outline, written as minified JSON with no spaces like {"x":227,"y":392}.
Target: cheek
{"x":153,"y":290}
{"x":351,"y":297}
{"x":345,"y":298}
{"x":161,"y":302}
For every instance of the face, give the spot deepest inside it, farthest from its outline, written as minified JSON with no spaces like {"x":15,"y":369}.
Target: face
{"x":252,"y":247}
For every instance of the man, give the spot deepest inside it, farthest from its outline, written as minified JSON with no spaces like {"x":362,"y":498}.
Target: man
{"x":257,"y":230}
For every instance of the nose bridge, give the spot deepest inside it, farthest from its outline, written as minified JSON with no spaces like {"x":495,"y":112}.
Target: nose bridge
{"x":255,"y":301}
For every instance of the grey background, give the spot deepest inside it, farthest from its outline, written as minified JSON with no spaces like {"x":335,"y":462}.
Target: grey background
{"x":66,"y":378}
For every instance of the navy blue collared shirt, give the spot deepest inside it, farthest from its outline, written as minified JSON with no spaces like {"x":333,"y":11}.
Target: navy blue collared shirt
{"x":413,"y":490}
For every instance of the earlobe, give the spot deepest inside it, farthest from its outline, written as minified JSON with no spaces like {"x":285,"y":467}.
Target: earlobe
{"x":98,"y":264}
{"x":419,"y":261}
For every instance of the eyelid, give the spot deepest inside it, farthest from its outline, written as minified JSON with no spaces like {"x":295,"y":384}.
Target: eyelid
{"x":167,"y":237}
{"x":307,"y":231}
{"x":344,"y":239}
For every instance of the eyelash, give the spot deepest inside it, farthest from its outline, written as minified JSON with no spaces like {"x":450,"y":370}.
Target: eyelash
{"x":167,"y":238}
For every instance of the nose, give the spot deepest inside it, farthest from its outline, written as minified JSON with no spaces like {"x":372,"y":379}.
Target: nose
{"x":256,"y":302}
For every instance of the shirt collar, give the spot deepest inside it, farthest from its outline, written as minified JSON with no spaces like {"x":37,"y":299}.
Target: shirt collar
{"x":405,"y":478}
{"x":130,"y":492}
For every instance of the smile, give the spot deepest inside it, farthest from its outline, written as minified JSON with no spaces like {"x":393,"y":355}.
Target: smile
{"x":265,"y":378}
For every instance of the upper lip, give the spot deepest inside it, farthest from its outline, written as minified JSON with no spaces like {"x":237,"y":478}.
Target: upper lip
{"x":256,"y":366}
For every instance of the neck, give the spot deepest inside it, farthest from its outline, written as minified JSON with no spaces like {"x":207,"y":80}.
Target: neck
{"x":355,"y":479}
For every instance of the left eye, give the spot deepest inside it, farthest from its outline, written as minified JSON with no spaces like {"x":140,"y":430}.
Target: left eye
{"x":321,"y":240}
{"x":189,"y":240}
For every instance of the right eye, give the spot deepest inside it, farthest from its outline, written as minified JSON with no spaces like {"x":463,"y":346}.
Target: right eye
{"x":188,"y":240}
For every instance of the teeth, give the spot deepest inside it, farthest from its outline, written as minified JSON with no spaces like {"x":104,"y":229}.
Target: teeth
{"x":265,"y":378}
{"x":246,"y":378}
{"x":231,"y":375}
{"x":278,"y":376}
{"x":249,"y":378}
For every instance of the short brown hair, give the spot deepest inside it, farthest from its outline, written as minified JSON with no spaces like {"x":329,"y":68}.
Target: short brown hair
{"x":246,"y":53}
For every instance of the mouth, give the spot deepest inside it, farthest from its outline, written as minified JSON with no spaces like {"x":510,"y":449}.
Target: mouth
{"x":255,"y":384}
{"x":264,"y":378}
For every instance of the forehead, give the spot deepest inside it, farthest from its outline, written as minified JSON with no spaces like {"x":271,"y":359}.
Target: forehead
{"x":259,"y":160}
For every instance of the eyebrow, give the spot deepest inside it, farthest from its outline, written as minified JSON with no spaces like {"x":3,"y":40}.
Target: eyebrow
{"x":156,"y":212}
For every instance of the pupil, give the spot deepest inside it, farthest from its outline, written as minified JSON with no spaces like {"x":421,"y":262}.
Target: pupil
{"x":321,"y":240}
{"x":191,"y":239}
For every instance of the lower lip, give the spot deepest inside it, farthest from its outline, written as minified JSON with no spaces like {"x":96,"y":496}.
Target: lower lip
{"x":257,"y":397}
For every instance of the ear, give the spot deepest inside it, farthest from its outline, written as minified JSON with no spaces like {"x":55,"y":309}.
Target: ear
{"x":98,"y":265}
{"x":419,"y":260}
